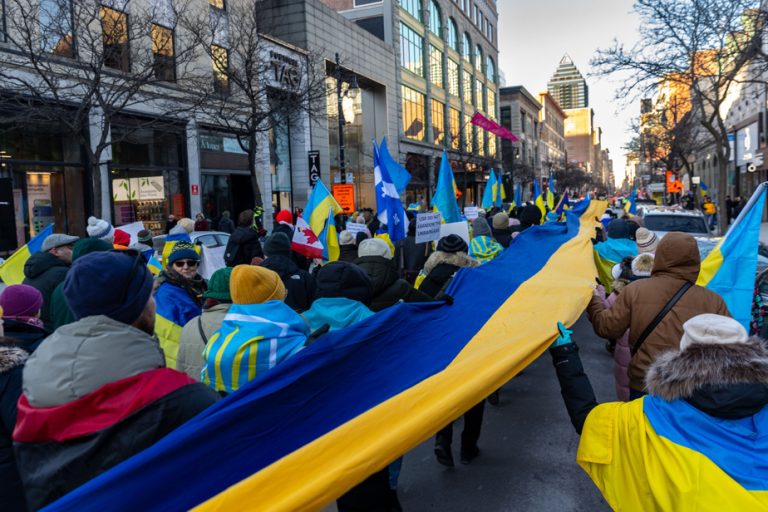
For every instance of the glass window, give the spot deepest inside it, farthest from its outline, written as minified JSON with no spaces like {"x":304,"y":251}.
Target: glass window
{"x":220,"y":66}
{"x":413,"y":113}
{"x":435,"y":21}
{"x":412,"y":7}
{"x":114,"y":26}
{"x":162,"y":49}
{"x":492,"y":146}
{"x":219,"y":4}
{"x":411,"y":50}
{"x":490,"y":69}
{"x":491,"y":98}
{"x":455,"y":126}
{"x":435,"y":66}
{"x":56,"y":34}
{"x":453,"y":35}
{"x":480,"y":141}
{"x":467,"y":87}
{"x":479,"y":103}
{"x":453,"y":77}
{"x":467,"y":134}
{"x":438,"y":122}
{"x":479,"y":59}
{"x":466,"y":47}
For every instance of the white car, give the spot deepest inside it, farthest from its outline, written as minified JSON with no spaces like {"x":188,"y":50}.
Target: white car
{"x":210,"y":239}
{"x":661,"y":220}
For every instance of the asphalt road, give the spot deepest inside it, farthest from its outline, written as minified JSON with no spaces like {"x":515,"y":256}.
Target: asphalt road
{"x":528,"y":448}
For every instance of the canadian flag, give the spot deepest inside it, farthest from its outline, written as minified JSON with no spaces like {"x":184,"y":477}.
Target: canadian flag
{"x":305,"y":242}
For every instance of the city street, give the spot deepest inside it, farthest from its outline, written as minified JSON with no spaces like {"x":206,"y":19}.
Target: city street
{"x":528,"y":448}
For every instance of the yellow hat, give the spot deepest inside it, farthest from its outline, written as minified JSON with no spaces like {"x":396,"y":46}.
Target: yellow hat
{"x":250,"y":284}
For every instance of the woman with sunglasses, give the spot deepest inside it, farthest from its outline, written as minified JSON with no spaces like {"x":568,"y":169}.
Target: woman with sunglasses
{"x":179,"y":296}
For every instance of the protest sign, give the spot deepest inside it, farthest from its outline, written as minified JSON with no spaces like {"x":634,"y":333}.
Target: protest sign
{"x":428,"y":227}
{"x":471,"y":212}
{"x":455,"y":228}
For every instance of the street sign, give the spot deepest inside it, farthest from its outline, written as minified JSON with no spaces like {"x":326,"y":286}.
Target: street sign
{"x":314,"y":167}
{"x":345,"y":196}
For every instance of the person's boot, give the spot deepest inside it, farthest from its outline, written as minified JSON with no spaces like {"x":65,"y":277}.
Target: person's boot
{"x":493,"y":398}
{"x":444,"y":455}
{"x":469,"y":454}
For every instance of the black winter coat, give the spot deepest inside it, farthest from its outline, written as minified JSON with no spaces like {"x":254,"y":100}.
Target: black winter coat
{"x":414,"y":255}
{"x":226,"y":225}
{"x":388,"y":287}
{"x":45,"y":271}
{"x":348,"y":253}
{"x":300,"y":260}
{"x":438,"y":278}
{"x":243,"y":246}
{"x":299,"y":284}
{"x":503,"y":236}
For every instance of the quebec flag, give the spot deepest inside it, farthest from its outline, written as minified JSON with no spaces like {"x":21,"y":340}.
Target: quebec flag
{"x":391,"y":211}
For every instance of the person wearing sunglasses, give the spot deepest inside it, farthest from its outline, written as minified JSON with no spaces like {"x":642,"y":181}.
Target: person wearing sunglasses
{"x":179,"y":296}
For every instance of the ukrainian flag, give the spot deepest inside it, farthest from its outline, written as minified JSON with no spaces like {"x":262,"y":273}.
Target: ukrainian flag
{"x":631,"y":206}
{"x":305,"y":432}
{"x":490,"y":193}
{"x":730,"y":268}
{"x":649,"y":454}
{"x":174,"y":310}
{"x":703,"y":188}
{"x":12,"y":270}
{"x":608,"y":254}
{"x":538,"y":199}
{"x":444,"y":200}
{"x":318,"y":204}
{"x":329,"y":238}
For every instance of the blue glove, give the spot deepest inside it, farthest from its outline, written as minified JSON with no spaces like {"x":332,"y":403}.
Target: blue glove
{"x":565,"y":335}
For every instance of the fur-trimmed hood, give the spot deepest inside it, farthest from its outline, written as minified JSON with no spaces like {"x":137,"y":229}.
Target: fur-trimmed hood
{"x":459,"y":259}
{"x":11,"y":356}
{"x":675,"y":375}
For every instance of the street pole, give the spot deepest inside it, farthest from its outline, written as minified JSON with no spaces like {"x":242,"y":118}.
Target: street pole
{"x":342,"y":163}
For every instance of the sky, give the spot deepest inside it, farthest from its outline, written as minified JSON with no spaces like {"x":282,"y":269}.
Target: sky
{"x":534,"y":35}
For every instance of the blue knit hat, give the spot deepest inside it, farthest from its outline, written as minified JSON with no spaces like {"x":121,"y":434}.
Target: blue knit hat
{"x":182,"y":250}
{"x":114,"y":284}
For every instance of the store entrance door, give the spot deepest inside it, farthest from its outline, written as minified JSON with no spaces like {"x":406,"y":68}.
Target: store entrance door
{"x":8,"y":233}
{"x":242,"y":193}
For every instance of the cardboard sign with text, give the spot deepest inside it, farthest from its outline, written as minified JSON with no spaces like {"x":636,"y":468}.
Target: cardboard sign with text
{"x":471,"y":212}
{"x":455,"y":228}
{"x":355,"y":228}
{"x":428,"y":227}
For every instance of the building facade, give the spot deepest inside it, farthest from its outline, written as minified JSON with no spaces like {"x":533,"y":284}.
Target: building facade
{"x":552,"y":122}
{"x":568,"y":87}
{"x":520,"y":114}
{"x":580,"y":133}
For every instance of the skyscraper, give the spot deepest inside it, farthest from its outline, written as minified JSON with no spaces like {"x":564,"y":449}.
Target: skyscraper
{"x":568,"y":86}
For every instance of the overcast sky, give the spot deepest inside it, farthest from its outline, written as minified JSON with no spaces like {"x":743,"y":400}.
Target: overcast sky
{"x":533,"y":36}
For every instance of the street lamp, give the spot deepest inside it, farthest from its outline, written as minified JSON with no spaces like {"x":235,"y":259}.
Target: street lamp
{"x":353,"y":90}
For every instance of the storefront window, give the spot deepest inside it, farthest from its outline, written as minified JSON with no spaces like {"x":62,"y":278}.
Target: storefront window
{"x":280,"y":164}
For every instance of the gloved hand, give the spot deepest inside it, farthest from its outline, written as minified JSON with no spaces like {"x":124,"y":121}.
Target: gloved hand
{"x":565,"y":336}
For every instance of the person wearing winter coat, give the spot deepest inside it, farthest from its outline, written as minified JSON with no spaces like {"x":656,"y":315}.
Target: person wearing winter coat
{"x":442,"y":265}
{"x":225,"y":223}
{"x":179,"y":293}
{"x":697,"y":441}
{"x":483,"y":247}
{"x":245,"y":242}
{"x":529,"y":215}
{"x":501,"y":231}
{"x":300,"y":284}
{"x":112,"y":395}
{"x":414,"y":255}
{"x":343,"y":294}
{"x":347,"y":247}
{"x":676,"y":263}
{"x":388,"y":288}
{"x":258,"y":332}
{"x":197,"y":332}
{"x":60,"y":312}
{"x":201,"y":223}
{"x":46,"y":269}
{"x":21,"y":305}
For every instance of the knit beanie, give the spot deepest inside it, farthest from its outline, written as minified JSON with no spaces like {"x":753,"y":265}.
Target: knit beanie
{"x":114,"y":284}
{"x":99,"y":228}
{"x":218,"y":285}
{"x":343,"y":279}
{"x":530,"y":216}
{"x":346,"y":238}
{"x":452,"y":244}
{"x":250,"y":284}
{"x":277,"y":244}
{"x":647,"y":241}
{"x":480,"y":227}
{"x":182,"y":250}
{"x":642,"y":265}
{"x":20,"y":300}
{"x":374,"y":247}
{"x":284,"y":217}
{"x":711,"y":329}
{"x":144,"y":237}
{"x":122,"y":238}
{"x":89,"y":245}
{"x":501,"y":221}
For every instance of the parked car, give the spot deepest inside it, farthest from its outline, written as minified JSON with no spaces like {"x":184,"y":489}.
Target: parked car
{"x":662,"y":220}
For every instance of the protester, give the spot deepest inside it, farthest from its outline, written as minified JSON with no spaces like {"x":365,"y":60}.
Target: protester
{"x":143,"y":241}
{"x":170,"y":224}
{"x":258,"y":323}
{"x":501,"y":231}
{"x":442,"y":265}
{"x":646,"y":240}
{"x":179,"y":296}
{"x":284,"y":223}
{"x":710,"y":211}
{"x":244,"y":244}
{"x":60,"y":312}
{"x":530,"y":215}
{"x":184,"y":226}
{"x":198,"y":331}
{"x":201,"y":223}
{"x":21,"y":305}
{"x":110,"y":396}
{"x":299,"y":283}
{"x":622,"y":229}
{"x":225,"y":223}
{"x":483,"y":247}
{"x":696,"y":441}
{"x":347,"y":247}
{"x":375,"y":258}
{"x":675,"y":269}
{"x":412,"y":256}
{"x":46,"y":269}
{"x":100,"y":228}
{"x":344,"y":292}
{"x":121,"y":240}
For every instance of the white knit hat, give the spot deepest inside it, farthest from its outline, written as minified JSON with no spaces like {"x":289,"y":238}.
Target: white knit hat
{"x":642,"y":265}
{"x":647,"y":241}
{"x":616,"y":271}
{"x":346,"y":238}
{"x":374,"y":247}
{"x":710,"y":329}
{"x":99,"y":228}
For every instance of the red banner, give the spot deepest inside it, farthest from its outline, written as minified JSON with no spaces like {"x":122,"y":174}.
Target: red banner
{"x":492,"y":126}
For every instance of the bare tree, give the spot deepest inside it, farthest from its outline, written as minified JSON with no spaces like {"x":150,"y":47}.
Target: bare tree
{"x":707,"y":46}
{"x":82,"y":63}
{"x":255,"y":85}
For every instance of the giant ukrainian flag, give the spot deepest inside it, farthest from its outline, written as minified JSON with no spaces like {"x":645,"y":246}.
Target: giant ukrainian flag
{"x":731,"y":266}
{"x":314,"y":426}
{"x":12,"y":270}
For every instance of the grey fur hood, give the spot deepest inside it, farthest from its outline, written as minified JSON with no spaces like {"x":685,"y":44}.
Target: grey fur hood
{"x":11,"y":356}
{"x":676,"y":375}
{"x":460,"y":259}
{"x":81,"y":357}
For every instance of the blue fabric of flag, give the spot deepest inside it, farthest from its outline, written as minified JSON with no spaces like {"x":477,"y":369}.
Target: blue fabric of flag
{"x":390,"y":208}
{"x":444,"y":199}
{"x":561,"y":205}
{"x":399,"y":174}
{"x":36,"y":243}
{"x":616,"y":249}
{"x":519,"y":194}
{"x":304,"y":397}
{"x":632,"y":202}
{"x":488,"y":194}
